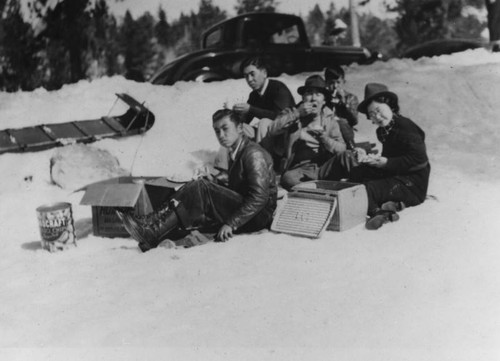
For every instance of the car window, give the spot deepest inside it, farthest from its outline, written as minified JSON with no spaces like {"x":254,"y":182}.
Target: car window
{"x":288,"y":35}
{"x":258,"y":33}
{"x":214,"y":38}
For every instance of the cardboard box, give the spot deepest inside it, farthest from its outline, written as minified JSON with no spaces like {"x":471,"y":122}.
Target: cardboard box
{"x":352,"y":201}
{"x":143,"y":194}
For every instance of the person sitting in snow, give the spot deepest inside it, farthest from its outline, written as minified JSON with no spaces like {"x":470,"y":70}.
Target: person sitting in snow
{"x":247,"y":204}
{"x":344,"y":104}
{"x":397,"y":178}
{"x":266,"y":100}
{"x":313,"y":133}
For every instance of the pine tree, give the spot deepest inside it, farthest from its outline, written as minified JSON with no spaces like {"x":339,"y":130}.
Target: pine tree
{"x":19,"y":51}
{"x":330,"y":17}
{"x":315,"y":24}
{"x":207,"y":15}
{"x":68,"y":22}
{"x":377,"y":34}
{"x":420,"y":21}
{"x":137,"y":41}
{"x":247,"y":6}
{"x":162,"y":28}
{"x":102,"y":48}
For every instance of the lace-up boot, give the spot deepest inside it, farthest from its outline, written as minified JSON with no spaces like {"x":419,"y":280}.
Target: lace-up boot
{"x":151,"y":229}
{"x":380,"y":218}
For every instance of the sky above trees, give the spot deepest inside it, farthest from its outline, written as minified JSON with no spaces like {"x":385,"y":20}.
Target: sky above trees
{"x":173,"y":8}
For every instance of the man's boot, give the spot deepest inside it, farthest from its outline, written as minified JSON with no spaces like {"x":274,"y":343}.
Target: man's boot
{"x":381,"y":217}
{"x":393,"y":206}
{"x":151,"y":229}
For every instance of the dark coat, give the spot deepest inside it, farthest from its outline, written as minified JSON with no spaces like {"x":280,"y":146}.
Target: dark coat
{"x":405,"y":177}
{"x":251,"y":174}
{"x":276,"y":98}
{"x":406,"y":153}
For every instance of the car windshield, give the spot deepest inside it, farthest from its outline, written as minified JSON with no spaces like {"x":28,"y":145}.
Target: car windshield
{"x":258,"y":33}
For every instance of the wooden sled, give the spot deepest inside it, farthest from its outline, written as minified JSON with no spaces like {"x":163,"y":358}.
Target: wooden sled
{"x":136,"y":120}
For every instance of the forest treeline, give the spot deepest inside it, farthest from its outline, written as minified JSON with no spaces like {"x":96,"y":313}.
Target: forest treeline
{"x":49,"y":46}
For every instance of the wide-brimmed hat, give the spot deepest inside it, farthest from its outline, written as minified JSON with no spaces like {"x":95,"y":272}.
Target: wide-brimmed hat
{"x":375,"y":90}
{"x":315,"y":82}
{"x":334,"y":72}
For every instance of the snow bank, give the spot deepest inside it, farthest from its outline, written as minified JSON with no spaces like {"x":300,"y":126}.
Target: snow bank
{"x":425,"y":287}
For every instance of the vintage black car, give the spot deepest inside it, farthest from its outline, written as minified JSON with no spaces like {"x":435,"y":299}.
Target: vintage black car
{"x":442,"y":47}
{"x":280,"y":39}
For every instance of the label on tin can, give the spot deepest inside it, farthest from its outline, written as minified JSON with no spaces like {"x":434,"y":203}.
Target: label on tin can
{"x":56,"y":226}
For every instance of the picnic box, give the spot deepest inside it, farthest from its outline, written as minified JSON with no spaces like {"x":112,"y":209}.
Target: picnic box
{"x":352,"y":201}
{"x":144,"y":194}
{"x":304,"y":214}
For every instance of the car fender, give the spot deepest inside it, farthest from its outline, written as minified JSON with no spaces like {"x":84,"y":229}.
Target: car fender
{"x":204,"y":76}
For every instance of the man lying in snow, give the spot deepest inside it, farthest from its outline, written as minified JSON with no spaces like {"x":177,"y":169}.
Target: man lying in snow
{"x":247,"y":204}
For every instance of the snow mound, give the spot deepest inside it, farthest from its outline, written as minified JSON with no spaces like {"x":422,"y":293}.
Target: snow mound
{"x":75,"y":166}
{"x":423,"y":288}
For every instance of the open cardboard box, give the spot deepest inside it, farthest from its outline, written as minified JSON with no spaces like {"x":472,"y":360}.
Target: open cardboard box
{"x":143,"y":194}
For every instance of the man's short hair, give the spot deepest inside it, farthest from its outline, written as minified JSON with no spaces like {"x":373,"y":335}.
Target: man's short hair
{"x":222,"y":113}
{"x":256,"y":61}
{"x":335,"y":72}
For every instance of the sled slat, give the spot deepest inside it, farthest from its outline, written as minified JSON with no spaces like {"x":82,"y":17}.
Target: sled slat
{"x":65,"y":130}
{"x":114,"y":124}
{"x":7,"y":143}
{"x":32,"y":138}
{"x":98,"y":128}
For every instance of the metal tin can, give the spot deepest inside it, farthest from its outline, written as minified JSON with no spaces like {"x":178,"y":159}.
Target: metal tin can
{"x":56,"y":226}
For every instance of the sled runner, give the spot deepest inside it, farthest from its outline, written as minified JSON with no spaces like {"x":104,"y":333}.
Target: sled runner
{"x":136,"y":120}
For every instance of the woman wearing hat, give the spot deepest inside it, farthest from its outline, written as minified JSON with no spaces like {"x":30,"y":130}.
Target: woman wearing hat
{"x":399,"y":177}
{"x":313,"y":133}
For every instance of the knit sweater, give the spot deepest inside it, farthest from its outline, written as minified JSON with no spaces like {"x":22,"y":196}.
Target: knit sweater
{"x":276,"y":97}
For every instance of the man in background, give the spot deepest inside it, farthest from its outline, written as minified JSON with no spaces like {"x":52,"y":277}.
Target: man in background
{"x":266,"y":100}
{"x":343,"y":103}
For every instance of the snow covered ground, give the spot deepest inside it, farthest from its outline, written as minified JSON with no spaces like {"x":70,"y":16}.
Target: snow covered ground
{"x":424,"y":288}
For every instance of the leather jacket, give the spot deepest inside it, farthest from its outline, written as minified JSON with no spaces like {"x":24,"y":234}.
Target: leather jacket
{"x":251,"y":174}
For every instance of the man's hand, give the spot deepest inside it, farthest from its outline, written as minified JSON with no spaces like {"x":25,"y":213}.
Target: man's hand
{"x":225,"y":232}
{"x":203,"y":172}
{"x":341,"y":93}
{"x":308,"y":108}
{"x":241,"y":107}
{"x":318,"y":133}
{"x":360,"y":154}
{"x":375,"y":161}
